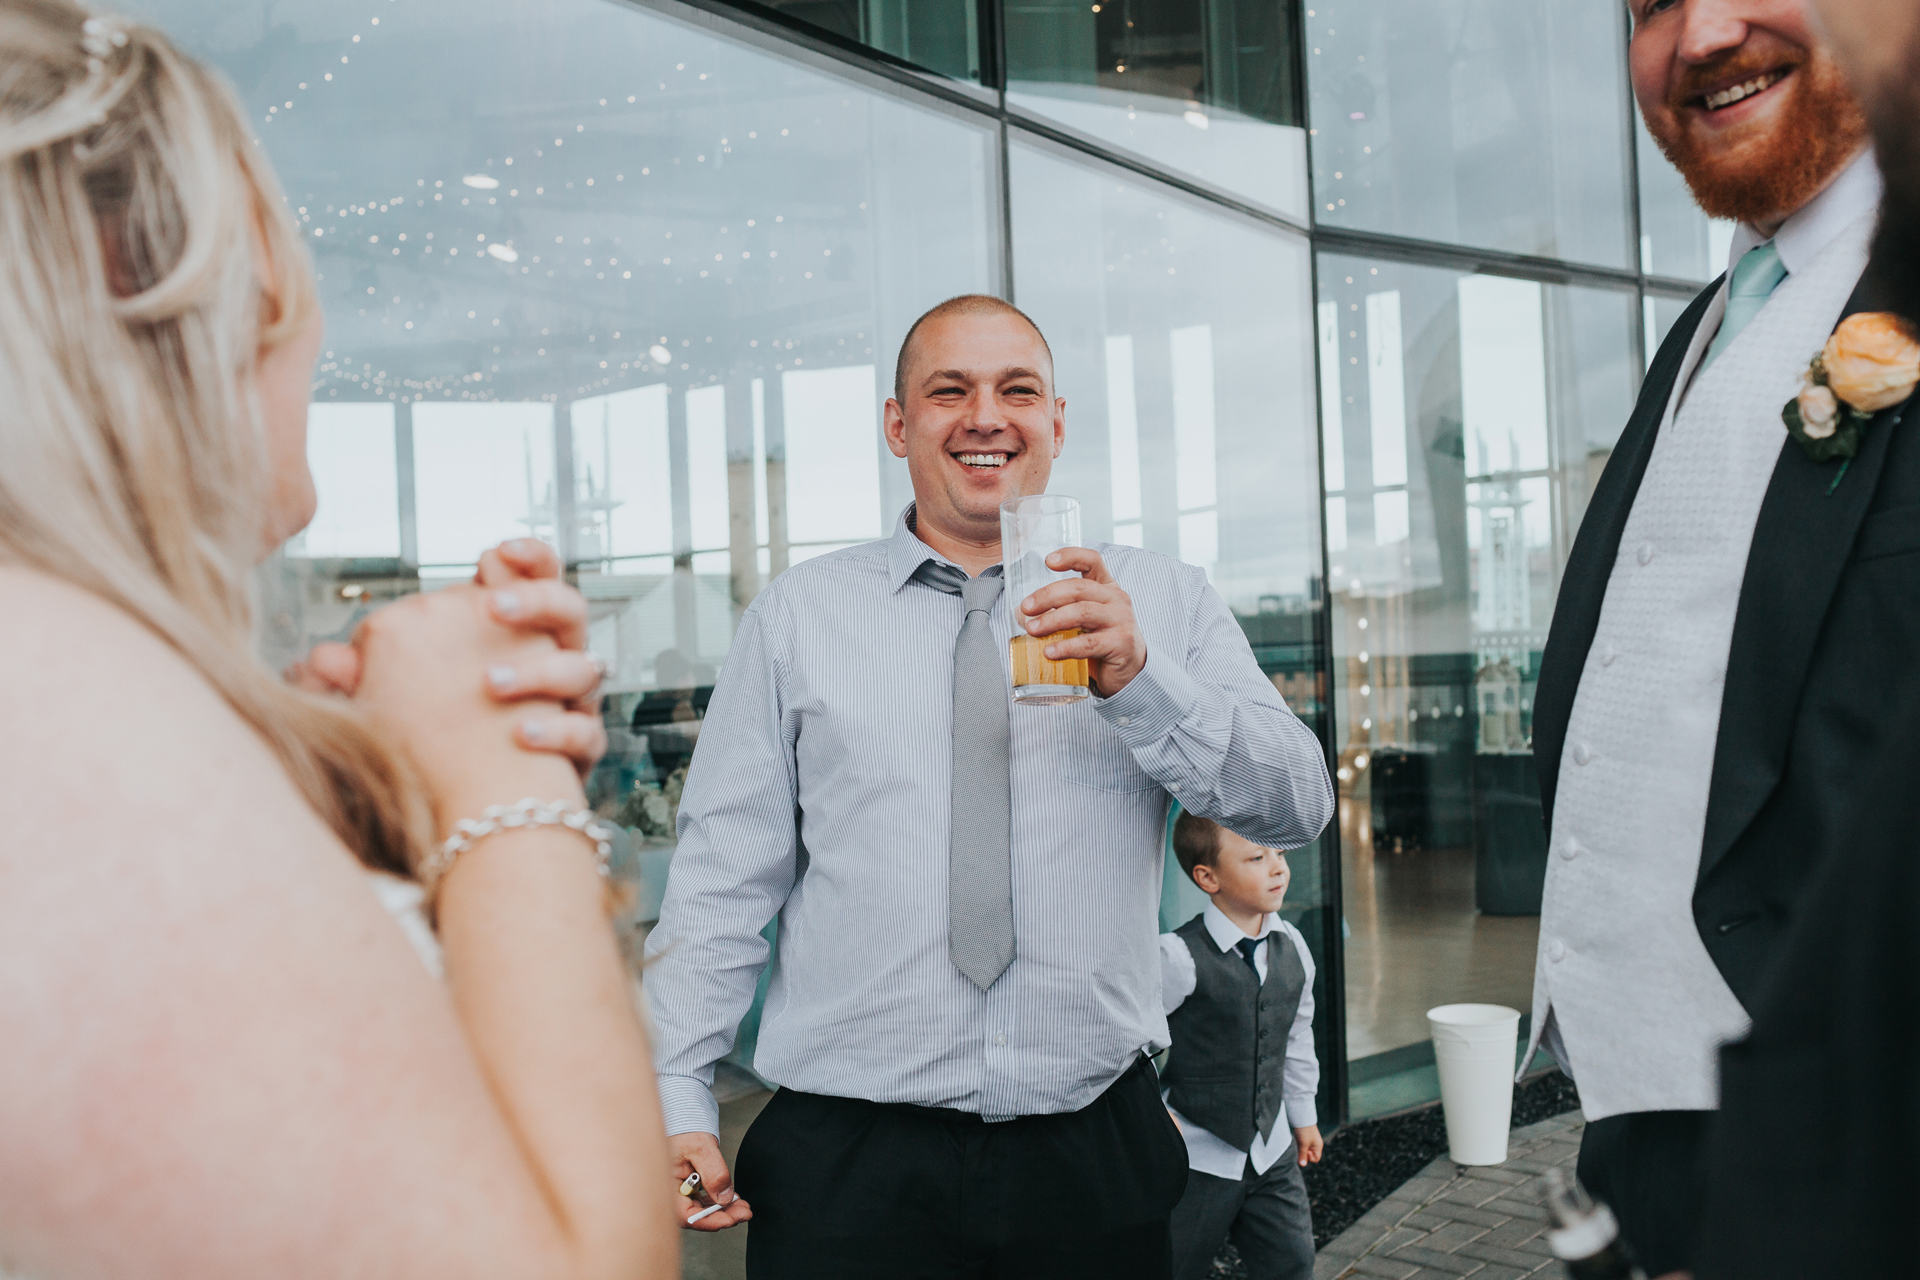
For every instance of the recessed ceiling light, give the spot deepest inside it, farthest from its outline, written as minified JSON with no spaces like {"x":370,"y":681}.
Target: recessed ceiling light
{"x":481,"y":181}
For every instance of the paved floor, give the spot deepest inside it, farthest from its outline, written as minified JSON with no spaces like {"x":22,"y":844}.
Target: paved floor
{"x":1448,"y":1222}
{"x":1452,"y":1221}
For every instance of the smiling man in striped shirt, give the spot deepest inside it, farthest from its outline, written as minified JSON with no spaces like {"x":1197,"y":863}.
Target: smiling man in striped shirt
{"x":967,"y":981}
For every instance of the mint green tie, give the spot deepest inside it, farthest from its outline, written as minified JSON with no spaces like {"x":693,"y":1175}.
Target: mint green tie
{"x":1755,"y":277}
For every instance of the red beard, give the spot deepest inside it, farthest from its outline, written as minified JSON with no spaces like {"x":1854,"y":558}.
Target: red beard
{"x":1750,"y":175}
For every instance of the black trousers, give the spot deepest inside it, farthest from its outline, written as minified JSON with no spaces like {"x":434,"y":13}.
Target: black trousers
{"x":847,"y":1190}
{"x":1647,"y":1166}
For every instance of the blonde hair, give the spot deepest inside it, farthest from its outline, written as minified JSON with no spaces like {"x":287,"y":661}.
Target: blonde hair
{"x":133,"y":462}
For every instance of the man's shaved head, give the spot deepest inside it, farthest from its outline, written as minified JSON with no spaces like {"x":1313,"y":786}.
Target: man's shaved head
{"x":967,"y":304}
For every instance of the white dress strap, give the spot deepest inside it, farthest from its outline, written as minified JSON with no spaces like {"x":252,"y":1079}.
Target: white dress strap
{"x":406,"y":902}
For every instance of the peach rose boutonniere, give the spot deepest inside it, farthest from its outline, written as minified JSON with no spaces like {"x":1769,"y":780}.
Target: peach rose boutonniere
{"x":1872,"y":362}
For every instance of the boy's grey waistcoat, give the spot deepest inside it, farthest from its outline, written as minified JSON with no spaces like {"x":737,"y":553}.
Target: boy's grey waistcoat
{"x":1230,"y":1037}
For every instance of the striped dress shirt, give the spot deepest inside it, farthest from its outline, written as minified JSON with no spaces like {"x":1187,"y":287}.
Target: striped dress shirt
{"x":821,"y":793}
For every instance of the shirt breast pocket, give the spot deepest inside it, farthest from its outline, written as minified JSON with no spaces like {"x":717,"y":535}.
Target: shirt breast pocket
{"x":1091,"y":753}
{"x":1884,"y":534}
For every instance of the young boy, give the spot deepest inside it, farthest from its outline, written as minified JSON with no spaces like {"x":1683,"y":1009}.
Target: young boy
{"x":1238,"y":987}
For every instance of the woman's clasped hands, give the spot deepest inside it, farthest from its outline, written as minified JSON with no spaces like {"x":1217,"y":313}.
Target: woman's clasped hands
{"x":505,"y":655}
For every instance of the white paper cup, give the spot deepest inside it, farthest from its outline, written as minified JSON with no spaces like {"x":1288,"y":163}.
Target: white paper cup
{"x":1474,"y":1045}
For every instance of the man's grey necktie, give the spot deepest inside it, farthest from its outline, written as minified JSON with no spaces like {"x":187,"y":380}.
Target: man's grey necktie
{"x":1753,"y":280}
{"x":980,"y":866}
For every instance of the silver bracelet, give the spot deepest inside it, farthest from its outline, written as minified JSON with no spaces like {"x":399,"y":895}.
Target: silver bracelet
{"x":509,"y":817}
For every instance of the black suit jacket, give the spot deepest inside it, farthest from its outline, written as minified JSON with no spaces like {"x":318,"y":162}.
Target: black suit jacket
{"x":1833,"y":1051}
{"x":1827,"y":630}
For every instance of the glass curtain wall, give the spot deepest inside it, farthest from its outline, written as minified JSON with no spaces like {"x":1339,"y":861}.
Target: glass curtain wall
{"x":1182,"y":339}
{"x":598,"y":275}
{"x":1466,"y":417}
{"x":940,"y":35}
{"x":1470,"y":396}
{"x":627,"y":275}
{"x":1207,"y":90}
{"x":1498,"y":124}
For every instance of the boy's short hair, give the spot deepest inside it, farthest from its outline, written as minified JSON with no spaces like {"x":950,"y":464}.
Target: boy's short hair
{"x":1196,"y":842}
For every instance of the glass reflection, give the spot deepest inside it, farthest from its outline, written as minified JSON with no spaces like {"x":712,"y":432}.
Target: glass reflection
{"x":1494,"y":123}
{"x":1208,"y":89}
{"x":1465,"y":418}
{"x":1658,"y":315}
{"x":1676,"y":237}
{"x":601,"y":276}
{"x":350,"y":451}
{"x":1182,"y":344}
{"x":940,"y":35}
{"x":483,"y":473}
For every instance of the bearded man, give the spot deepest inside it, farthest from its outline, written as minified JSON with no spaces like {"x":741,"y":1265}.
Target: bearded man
{"x":1834,"y":1023}
{"x":1726,"y":636}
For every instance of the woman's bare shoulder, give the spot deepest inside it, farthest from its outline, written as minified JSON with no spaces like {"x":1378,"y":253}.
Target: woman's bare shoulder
{"x":90,"y":690}
{"x":118,"y":758}
{"x":64,"y":642}
{"x":111,"y":741}
{"x":192,"y":970}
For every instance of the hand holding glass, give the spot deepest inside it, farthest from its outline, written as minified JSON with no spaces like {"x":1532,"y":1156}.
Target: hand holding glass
{"x":1031,"y":529}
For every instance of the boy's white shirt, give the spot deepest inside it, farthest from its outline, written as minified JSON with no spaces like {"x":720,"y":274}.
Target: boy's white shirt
{"x":1300,"y":1078}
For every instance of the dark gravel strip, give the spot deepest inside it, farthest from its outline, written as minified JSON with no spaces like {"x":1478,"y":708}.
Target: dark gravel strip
{"x":1364,"y":1162}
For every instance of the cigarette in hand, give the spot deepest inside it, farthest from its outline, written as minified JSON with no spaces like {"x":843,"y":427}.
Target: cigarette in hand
{"x":709,"y":1211}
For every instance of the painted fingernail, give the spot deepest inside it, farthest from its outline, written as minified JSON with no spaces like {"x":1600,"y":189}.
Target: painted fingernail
{"x":502,"y":678}
{"x":1051,"y":657}
{"x":508,"y":604}
{"x":534,"y":732}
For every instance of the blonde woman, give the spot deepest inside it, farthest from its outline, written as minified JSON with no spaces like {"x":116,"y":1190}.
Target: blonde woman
{"x":219,"y":1057}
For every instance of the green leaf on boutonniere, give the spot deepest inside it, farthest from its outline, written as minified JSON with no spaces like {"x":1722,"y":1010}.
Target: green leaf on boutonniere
{"x":1843,"y":443}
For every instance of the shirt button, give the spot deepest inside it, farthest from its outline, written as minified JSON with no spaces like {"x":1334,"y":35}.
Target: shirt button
{"x":1001,"y":1039}
{"x":1569,"y":849}
{"x":1556,"y":950}
{"x":1645,"y":553}
{"x":1174,"y":787}
{"x":1607,"y":655}
{"x":1581,"y":754}
{"x":1126,"y":720}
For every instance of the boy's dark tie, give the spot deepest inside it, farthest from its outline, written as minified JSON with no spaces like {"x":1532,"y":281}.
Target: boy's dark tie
{"x":1247,"y":948}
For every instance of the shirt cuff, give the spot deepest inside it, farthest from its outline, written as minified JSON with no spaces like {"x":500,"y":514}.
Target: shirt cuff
{"x":1154,"y":701}
{"x":1301,"y":1112}
{"x":687,"y":1105}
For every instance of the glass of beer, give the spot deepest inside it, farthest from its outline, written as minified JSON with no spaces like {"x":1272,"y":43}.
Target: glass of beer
{"x":1031,"y":529}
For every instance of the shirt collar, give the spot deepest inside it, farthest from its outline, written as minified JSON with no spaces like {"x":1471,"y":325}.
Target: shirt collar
{"x":1813,"y":226}
{"x":1225,"y":932}
{"x":906,"y":553}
